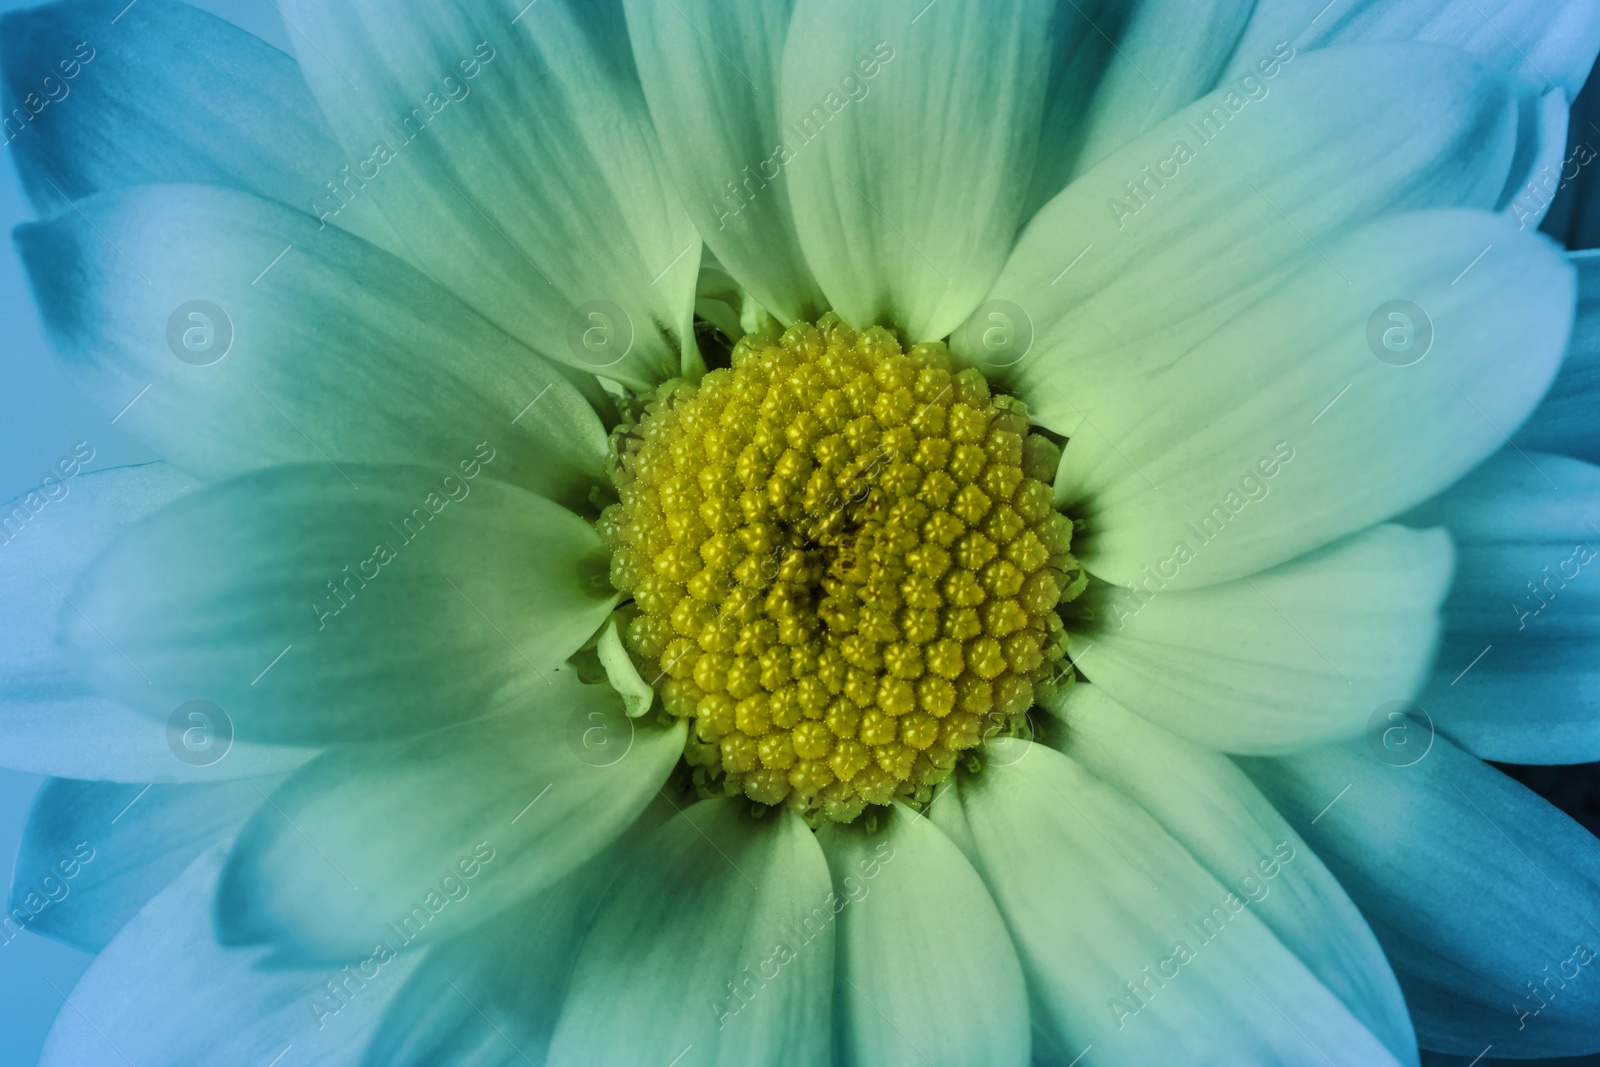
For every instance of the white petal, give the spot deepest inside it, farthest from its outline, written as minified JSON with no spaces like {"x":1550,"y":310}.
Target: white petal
{"x":52,"y":722}
{"x":1542,"y":164}
{"x":710,"y":73}
{"x":107,"y":848}
{"x":1099,"y":898}
{"x":510,"y":146}
{"x":718,"y":938}
{"x":908,"y":187}
{"x":1266,"y":395}
{"x":316,"y":346}
{"x":1564,"y":421}
{"x":1550,"y":43}
{"x":182,"y":96}
{"x":1292,"y":656}
{"x":1210,"y":807}
{"x":925,"y":973}
{"x":1111,"y":285}
{"x":1150,"y":58}
{"x":362,"y":843}
{"x":309,"y":610}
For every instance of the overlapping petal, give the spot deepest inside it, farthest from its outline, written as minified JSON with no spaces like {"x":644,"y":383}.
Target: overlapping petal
{"x":1130,"y":945}
{"x":1515,"y":679}
{"x":1176,"y":234}
{"x":1563,"y":422}
{"x":510,"y":146}
{"x":52,"y":720}
{"x":93,"y":853}
{"x":178,"y":96}
{"x":1210,"y":807}
{"x":907,"y":187}
{"x":1548,"y":44}
{"x":1482,"y":894}
{"x":1301,"y":396}
{"x":314,"y":604}
{"x":711,"y":74}
{"x":1288,"y":657}
{"x":735,"y":918}
{"x":1140,"y":72}
{"x":206,"y":1004}
{"x":250,"y":337}
{"x":425,"y":838}
{"x":925,"y":971}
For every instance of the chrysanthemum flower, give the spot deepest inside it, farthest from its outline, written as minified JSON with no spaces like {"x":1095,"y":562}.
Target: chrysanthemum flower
{"x":749,"y":533}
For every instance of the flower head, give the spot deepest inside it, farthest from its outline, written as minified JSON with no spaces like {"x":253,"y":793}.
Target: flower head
{"x":882,"y":524}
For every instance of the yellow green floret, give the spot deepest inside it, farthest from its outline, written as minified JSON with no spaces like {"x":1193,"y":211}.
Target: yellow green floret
{"x":845,"y":563}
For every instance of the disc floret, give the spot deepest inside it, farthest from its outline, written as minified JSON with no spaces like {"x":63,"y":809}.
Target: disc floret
{"x":845,"y":563}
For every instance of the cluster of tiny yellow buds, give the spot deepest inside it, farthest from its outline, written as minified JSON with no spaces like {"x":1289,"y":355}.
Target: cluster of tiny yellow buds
{"x":846,"y":564}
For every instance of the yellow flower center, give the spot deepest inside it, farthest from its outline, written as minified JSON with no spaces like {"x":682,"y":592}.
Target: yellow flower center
{"x":845,"y":563}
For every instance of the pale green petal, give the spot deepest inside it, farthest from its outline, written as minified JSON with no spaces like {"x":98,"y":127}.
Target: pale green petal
{"x":718,"y":938}
{"x":1288,"y":657}
{"x":310,"y":609}
{"x":317,"y":345}
{"x":420,"y":840}
{"x":510,"y":146}
{"x":1099,"y":898}
{"x":908,"y":186}
{"x":1210,"y":807}
{"x":710,"y":73}
{"x":1110,"y":285}
{"x":490,"y":998}
{"x":925,"y":973}
{"x":1285,"y":430}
